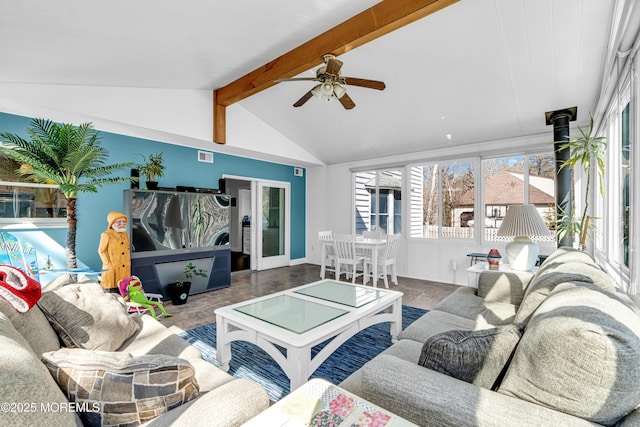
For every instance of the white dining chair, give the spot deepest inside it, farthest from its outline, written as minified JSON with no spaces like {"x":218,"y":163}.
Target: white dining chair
{"x":328,"y":253}
{"x":387,"y":260}
{"x":347,"y":256}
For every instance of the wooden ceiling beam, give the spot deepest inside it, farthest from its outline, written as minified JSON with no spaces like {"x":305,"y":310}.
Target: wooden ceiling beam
{"x":378,"y":20}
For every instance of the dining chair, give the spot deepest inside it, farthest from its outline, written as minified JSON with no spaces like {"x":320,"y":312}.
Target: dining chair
{"x":387,"y":260}
{"x":347,"y":256}
{"x":328,"y":253}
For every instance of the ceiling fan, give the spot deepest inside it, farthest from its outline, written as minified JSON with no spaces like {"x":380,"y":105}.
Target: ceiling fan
{"x":331,"y":81}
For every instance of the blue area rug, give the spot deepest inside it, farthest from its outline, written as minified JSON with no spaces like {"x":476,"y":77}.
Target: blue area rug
{"x":251,"y":362}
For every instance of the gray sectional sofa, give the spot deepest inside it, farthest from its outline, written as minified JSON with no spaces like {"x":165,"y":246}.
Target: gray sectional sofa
{"x":173,"y":384}
{"x":561,"y":347}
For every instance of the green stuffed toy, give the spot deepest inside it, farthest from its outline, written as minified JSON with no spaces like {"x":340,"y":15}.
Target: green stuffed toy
{"x":135,"y":294}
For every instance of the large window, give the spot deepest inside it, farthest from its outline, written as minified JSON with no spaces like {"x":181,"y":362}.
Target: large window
{"x":22,"y":198}
{"x":625,"y":151}
{"x":442,"y":200}
{"x":444,"y":195}
{"x":514,"y":180}
{"x":379,"y":201}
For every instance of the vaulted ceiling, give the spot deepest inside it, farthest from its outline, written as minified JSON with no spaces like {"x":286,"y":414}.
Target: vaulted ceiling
{"x":475,"y":71}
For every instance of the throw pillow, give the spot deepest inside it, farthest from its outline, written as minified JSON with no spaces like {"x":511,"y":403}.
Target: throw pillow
{"x":477,"y":357}
{"x":86,"y":316}
{"x":119,"y":389}
{"x":580,"y":355}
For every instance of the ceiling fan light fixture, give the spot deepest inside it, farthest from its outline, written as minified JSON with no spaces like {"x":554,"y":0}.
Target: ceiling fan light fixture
{"x":327,"y":88}
{"x":339,"y":91}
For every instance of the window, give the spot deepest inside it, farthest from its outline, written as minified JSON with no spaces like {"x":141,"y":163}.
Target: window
{"x":379,"y":201}
{"x":442,"y":200}
{"x":443,"y":195}
{"x":21,"y":198}
{"x":515,"y":180}
{"x":625,"y":151}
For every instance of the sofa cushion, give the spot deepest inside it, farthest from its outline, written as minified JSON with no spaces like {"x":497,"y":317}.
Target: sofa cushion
{"x":433,"y":323}
{"x":465,"y":303}
{"x":503,"y":286}
{"x":477,"y":357}
{"x":26,"y":384}
{"x":543,"y":283}
{"x":152,"y":337}
{"x":580,"y":354}
{"x":33,"y":326}
{"x":119,"y":389}
{"x":85,"y":316}
{"x":566,"y":254}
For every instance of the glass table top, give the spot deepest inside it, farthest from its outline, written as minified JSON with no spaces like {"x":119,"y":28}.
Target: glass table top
{"x":342,"y":293}
{"x":294,"y":314}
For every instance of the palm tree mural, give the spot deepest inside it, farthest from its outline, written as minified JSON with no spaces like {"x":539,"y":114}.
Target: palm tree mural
{"x":68,"y":156}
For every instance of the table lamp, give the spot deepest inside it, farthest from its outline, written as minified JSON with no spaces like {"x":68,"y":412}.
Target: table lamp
{"x":522,"y":222}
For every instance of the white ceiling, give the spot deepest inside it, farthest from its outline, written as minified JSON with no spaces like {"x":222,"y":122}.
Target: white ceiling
{"x":480,"y":70}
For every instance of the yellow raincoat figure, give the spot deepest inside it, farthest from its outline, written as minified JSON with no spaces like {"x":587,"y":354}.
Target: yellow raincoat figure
{"x":115,"y":252}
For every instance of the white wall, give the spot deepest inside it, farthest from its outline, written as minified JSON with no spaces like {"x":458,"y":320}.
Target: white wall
{"x":183,"y":117}
{"x":330,"y":206}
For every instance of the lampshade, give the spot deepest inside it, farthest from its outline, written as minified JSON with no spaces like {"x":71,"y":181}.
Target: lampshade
{"x":324,"y":91}
{"x":522,"y":222}
{"x":326,"y":88}
{"x":339,"y":91}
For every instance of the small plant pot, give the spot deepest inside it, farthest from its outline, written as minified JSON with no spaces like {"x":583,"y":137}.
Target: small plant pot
{"x":179,"y":294}
{"x":152,"y":185}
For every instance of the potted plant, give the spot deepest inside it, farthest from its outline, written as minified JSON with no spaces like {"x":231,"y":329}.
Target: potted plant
{"x":179,"y":291}
{"x":586,"y":150}
{"x":152,"y":169}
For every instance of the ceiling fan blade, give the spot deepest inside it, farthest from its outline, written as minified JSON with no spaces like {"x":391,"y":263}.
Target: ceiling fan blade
{"x":293,"y":79}
{"x":346,"y":102}
{"x":333,"y":66}
{"x":371,"y":84}
{"x":307,"y":96}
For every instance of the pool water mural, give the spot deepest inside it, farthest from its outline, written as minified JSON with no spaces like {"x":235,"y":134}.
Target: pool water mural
{"x":33,"y":252}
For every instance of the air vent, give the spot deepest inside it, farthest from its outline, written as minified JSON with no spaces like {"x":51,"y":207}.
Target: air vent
{"x":297,"y":171}
{"x":205,"y":156}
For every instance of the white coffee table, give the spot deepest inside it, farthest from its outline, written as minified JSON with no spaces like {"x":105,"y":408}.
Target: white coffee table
{"x":300,"y":318}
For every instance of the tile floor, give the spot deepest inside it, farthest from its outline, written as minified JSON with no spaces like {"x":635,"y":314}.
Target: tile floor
{"x":199,"y":309}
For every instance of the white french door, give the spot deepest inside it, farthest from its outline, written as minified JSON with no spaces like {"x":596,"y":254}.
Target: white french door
{"x":271,"y":213}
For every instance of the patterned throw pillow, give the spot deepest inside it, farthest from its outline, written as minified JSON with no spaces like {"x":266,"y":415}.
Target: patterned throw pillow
{"x":85,"y":316}
{"x":119,"y":389}
{"x":477,"y":357}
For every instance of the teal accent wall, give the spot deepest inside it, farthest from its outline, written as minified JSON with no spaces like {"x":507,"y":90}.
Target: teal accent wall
{"x":182,"y":168}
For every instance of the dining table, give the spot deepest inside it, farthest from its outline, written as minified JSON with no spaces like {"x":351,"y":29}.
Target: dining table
{"x":370,"y":245}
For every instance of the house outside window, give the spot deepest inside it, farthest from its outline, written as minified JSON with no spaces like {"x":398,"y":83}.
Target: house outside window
{"x":514,"y":180}
{"x":378,"y":204}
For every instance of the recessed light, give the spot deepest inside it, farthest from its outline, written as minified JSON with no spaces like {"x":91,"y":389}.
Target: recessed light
{"x":448,"y":136}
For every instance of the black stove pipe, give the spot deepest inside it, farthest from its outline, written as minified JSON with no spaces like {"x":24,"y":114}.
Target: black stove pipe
{"x":560,"y":120}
